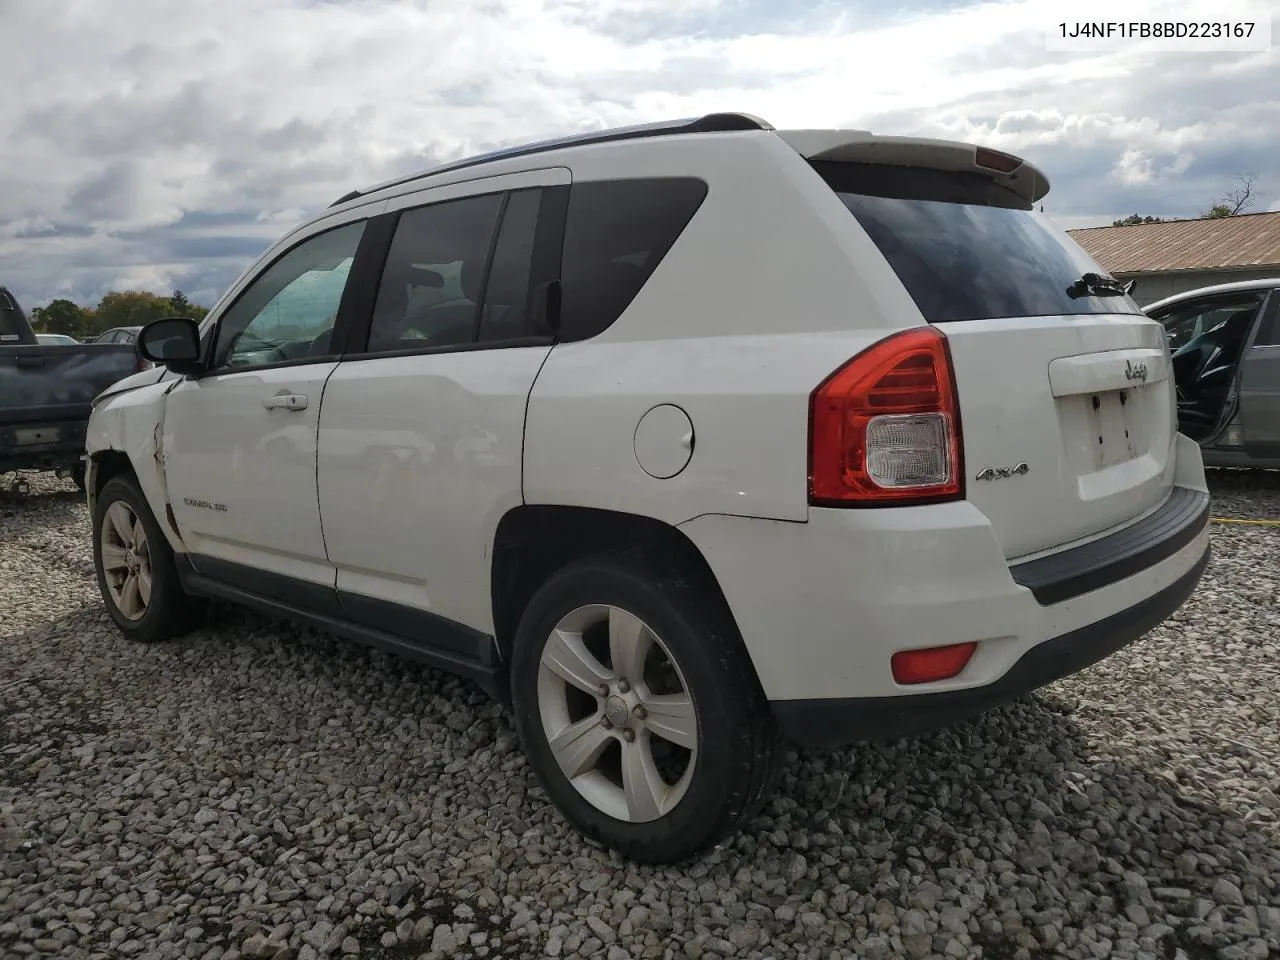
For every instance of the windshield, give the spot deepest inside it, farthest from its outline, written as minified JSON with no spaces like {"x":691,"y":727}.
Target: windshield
{"x":966,"y":248}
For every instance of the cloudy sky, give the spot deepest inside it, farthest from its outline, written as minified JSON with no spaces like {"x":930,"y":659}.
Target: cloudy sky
{"x":155,"y":144}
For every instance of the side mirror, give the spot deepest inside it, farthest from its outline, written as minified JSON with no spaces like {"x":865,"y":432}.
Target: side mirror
{"x":173,"y":342}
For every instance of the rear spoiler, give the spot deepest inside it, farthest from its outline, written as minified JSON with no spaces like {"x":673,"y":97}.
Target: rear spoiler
{"x":862,"y":146}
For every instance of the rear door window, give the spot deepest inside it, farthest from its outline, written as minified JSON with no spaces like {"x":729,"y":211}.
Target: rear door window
{"x":966,"y":248}
{"x":616,"y":233}
{"x":433,"y":279}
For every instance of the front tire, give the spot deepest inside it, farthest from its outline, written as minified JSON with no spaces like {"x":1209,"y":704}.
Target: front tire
{"x":639,"y":710}
{"x":137,"y":576}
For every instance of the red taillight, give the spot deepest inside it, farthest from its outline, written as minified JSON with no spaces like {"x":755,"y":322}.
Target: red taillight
{"x":885,"y":427}
{"x":995,"y":160}
{"x":931,"y":664}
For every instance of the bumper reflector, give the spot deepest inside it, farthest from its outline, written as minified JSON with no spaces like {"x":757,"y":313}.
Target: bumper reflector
{"x":931,"y":663}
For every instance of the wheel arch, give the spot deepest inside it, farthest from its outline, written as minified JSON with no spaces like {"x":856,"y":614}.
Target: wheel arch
{"x":111,"y":462}
{"x":533,"y":542}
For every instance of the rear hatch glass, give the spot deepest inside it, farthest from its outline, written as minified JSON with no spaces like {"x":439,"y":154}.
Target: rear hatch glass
{"x":966,"y":248}
{"x":1066,"y":400}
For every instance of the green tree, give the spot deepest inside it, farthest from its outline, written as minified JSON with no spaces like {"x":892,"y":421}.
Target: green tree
{"x":1134,"y":219}
{"x":60,"y":316}
{"x":130,"y":308}
{"x":127,"y":308}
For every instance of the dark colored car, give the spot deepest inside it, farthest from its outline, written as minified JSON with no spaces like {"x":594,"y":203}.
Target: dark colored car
{"x":47,"y":391}
{"x":1225,"y":342}
{"x":118,"y":335}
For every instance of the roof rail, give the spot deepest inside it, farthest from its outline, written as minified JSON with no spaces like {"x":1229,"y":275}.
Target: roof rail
{"x":710,"y":123}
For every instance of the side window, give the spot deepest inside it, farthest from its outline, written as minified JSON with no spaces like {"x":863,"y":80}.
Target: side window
{"x":1185,"y":323}
{"x":431,"y":284}
{"x":616,"y":233}
{"x":288,"y":311}
{"x":1269,"y":331}
{"x":506,"y":311}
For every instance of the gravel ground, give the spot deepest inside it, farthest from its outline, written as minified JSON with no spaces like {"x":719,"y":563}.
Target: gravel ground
{"x":256,"y":790}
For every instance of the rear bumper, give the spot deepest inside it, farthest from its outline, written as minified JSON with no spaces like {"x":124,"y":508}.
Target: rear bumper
{"x":834,"y":722}
{"x":822,"y":606}
{"x":44,"y":445}
{"x":1099,"y":563}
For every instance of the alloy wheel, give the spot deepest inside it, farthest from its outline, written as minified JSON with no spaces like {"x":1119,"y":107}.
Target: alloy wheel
{"x":617,"y":713}
{"x":126,"y":560}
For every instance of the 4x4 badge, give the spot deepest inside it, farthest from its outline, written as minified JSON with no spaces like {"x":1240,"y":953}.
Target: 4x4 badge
{"x":999,"y":473}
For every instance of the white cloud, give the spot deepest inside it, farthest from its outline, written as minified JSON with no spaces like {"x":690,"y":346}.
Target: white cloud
{"x":131,"y":122}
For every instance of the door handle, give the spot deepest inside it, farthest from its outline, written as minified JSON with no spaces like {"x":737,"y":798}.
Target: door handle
{"x":288,"y":401}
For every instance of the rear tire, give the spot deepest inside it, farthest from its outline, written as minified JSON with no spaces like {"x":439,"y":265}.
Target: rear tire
{"x":137,"y":575}
{"x":657,"y":775}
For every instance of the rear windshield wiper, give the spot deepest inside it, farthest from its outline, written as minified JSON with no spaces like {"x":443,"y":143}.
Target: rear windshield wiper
{"x":1096,"y":285}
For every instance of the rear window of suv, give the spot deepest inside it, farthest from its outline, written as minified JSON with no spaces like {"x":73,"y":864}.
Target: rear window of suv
{"x":965,"y":247}
{"x":11,"y":329}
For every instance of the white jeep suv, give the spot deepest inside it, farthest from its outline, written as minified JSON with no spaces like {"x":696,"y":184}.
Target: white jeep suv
{"x":679,"y":439}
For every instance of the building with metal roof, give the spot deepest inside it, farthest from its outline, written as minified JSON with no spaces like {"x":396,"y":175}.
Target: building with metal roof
{"x":1179,"y":255}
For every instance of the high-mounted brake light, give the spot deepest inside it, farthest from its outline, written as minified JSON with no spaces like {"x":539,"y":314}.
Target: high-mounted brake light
{"x":995,"y":160}
{"x":884,"y":429}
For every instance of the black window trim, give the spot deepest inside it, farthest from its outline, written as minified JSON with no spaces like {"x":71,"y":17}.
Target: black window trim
{"x":340,"y":325}
{"x":548,"y":235}
{"x":1266,"y":325}
{"x":547,"y":264}
{"x":483,"y":296}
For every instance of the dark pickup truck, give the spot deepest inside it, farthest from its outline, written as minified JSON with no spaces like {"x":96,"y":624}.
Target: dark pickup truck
{"x":46,"y":394}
